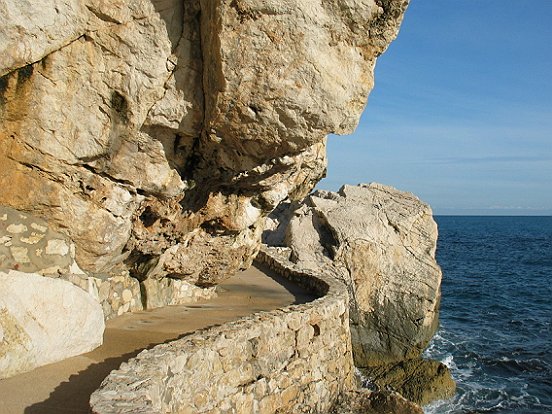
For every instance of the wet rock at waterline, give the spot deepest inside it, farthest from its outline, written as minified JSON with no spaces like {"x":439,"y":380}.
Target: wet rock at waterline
{"x":382,"y":402}
{"x":419,"y":380}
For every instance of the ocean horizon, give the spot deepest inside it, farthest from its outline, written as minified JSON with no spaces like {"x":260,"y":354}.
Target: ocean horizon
{"x":493,"y":213}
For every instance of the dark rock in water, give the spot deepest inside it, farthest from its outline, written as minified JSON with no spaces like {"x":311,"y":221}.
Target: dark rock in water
{"x":419,"y":380}
{"x":381,"y":402}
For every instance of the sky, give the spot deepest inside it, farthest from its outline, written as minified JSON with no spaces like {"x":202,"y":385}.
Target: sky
{"x":461,"y":114}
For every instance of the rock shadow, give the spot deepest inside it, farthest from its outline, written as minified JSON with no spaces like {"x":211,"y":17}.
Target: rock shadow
{"x":300,"y":294}
{"x":73,"y":395}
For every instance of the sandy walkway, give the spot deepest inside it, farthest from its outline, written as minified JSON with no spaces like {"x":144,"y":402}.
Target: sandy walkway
{"x":65,"y":387}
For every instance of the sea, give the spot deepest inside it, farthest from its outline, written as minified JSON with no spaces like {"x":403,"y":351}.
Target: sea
{"x":496,"y":314}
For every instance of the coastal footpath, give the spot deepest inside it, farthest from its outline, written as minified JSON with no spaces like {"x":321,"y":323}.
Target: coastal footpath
{"x":147,"y":150}
{"x":66,"y":386}
{"x":296,"y":359}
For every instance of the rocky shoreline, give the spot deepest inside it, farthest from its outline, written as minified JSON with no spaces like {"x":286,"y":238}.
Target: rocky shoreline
{"x":379,"y":242}
{"x":412,"y":377}
{"x":148,"y":149}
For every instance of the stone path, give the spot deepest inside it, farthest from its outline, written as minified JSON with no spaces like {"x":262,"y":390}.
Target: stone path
{"x":65,"y":387}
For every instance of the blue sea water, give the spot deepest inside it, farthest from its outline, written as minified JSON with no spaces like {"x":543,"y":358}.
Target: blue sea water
{"x":496,"y":314}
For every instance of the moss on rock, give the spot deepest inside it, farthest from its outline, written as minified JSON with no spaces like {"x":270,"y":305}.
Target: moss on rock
{"x":419,"y":380}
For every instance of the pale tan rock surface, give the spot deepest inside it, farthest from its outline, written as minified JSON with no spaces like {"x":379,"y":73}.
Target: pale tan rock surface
{"x":27,"y":36}
{"x":381,"y":243}
{"x":281,"y":75}
{"x":157,"y":134}
{"x":44,"y":320}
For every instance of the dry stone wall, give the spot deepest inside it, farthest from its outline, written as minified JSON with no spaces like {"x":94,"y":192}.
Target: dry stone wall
{"x":29,"y":244}
{"x":297,"y":359}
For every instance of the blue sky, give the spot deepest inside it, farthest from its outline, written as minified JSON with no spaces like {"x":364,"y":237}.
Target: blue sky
{"x":461,"y":114}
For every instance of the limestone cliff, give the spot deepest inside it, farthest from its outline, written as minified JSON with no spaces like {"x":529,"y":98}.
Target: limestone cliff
{"x":381,"y":243}
{"x":156,"y":135}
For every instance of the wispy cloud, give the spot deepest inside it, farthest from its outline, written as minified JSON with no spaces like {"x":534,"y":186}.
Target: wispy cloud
{"x":463,"y":119}
{"x":492,"y":159}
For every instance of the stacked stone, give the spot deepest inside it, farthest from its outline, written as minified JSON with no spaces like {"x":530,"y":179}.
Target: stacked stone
{"x":167,"y":292}
{"x":296,"y":359}
{"x":27,"y":244}
{"x":117,"y":295}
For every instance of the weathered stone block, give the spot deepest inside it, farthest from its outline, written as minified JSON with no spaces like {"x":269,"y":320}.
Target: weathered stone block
{"x":44,"y":320}
{"x":375,"y":238}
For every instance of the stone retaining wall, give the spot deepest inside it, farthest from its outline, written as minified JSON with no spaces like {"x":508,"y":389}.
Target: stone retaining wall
{"x":292,"y":360}
{"x":28,"y":244}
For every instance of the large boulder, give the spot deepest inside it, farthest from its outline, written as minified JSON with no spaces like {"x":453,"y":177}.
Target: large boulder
{"x":44,"y":320}
{"x":381,"y":242}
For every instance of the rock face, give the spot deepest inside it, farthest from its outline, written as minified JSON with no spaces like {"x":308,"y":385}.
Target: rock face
{"x":381,"y":243}
{"x":44,"y":320}
{"x":303,"y":55}
{"x":156,"y":135}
